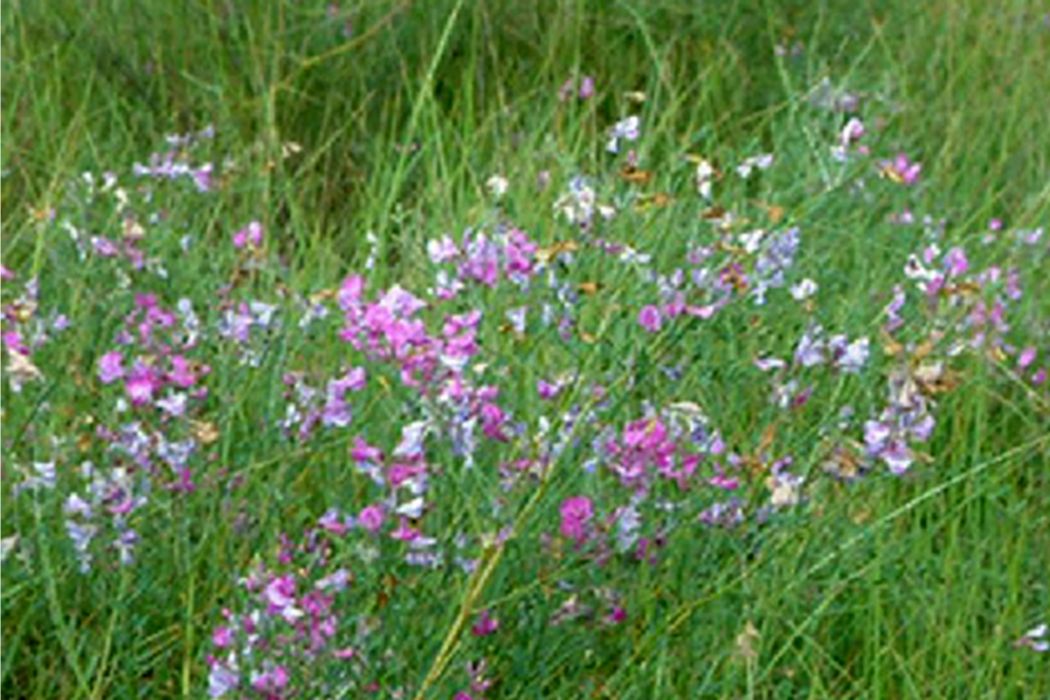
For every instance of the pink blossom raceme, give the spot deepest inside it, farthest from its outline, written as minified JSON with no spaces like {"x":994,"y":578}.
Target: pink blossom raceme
{"x":650,"y":319}
{"x":576,"y":514}
{"x":485,"y":625}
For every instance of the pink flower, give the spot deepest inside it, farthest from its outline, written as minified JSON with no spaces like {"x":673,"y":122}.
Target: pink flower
{"x":404,"y":531}
{"x":650,"y":319}
{"x":485,"y":625}
{"x":110,"y":367}
{"x":492,"y":419}
{"x":547,"y":390}
{"x":576,"y":513}
{"x":363,"y":452}
{"x":371,"y":518}
{"x":586,"y":87}
{"x":222,"y":636}
{"x":251,"y":234}
{"x":180,"y":374}
{"x":1026,"y":357}
{"x":140,"y":384}
{"x":902,"y":170}
{"x":271,"y":681}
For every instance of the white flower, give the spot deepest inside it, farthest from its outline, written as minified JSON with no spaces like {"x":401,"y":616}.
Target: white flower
{"x":761,"y":162}
{"x":497,"y":185}
{"x":804,"y":289}
{"x":627,"y":129}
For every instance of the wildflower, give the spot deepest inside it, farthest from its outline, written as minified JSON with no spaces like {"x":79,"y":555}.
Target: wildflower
{"x":1026,"y":357}
{"x":849,"y":357}
{"x":901,"y":170}
{"x":222,"y":636}
{"x":759,"y":162}
{"x":1035,"y":639}
{"x":110,"y":367}
{"x":497,"y":186}
{"x":140,"y":384}
{"x":484,"y":625}
{"x":704,"y":176}
{"x":221,"y":680}
{"x":576,"y":514}
{"x":804,"y":289}
{"x":811,"y":347}
{"x":271,"y":681}
{"x":586,"y":88}
{"x":650,"y":319}
{"x":548,"y":390}
{"x":371,"y":518}
{"x":252,"y":235}
{"x":626,"y":129}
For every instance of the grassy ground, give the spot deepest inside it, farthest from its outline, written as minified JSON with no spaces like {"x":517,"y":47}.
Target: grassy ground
{"x":387,"y":119}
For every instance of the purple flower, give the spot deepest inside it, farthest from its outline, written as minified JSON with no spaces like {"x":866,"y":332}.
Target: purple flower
{"x":1026,"y":357}
{"x":547,"y":390}
{"x":221,"y":680}
{"x":222,"y":637}
{"x":251,"y":234}
{"x":140,"y":384}
{"x":110,"y":367}
{"x":371,"y":518}
{"x":650,"y":319}
{"x":485,"y":625}
{"x":576,"y":514}
{"x":586,"y":87}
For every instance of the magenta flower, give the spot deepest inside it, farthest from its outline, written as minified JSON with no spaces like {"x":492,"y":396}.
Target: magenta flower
{"x":485,"y":625}
{"x":252,"y":234}
{"x":576,"y":514}
{"x":180,"y":374}
{"x":110,"y":367}
{"x":371,"y":518}
{"x":363,"y":452}
{"x":140,"y":384}
{"x":650,"y":319}
{"x":902,"y":170}
{"x":547,"y":390}
{"x":271,"y":681}
{"x":1026,"y":357}
{"x":222,"y":636}
{"x":586,"y":87}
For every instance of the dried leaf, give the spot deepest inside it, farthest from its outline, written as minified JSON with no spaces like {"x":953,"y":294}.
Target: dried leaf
{"x":635,"y":175}
{"x":205,"y":432}
{"x":545,"y":255}
{"x":747,"y":641}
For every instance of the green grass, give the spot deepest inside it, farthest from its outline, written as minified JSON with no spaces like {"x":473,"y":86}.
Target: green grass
{"x":885,"y":588}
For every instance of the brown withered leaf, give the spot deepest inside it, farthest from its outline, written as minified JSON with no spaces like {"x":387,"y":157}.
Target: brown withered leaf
{"x":206,"y":432}
{"x":589,"y":288}
{"x":747,"y":641}
{"x":657,"y":200}
{"x":635,"y":175}
{"x":548,"y":253}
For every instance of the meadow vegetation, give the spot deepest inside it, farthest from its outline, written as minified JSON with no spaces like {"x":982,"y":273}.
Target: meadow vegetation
{"x":496,"y":349}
